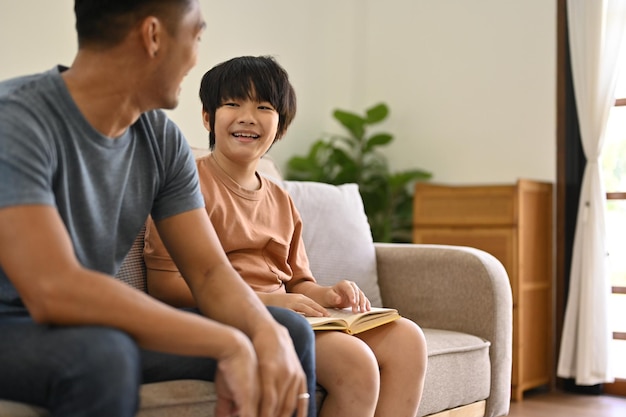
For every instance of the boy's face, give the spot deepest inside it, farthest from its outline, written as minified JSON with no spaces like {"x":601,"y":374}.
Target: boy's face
{"x":244,"y":129}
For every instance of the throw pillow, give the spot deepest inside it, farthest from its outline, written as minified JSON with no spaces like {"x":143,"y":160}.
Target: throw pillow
{"x":336,"y":234}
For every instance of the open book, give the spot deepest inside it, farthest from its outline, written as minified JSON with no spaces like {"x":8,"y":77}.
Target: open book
{"x":353,"y":323}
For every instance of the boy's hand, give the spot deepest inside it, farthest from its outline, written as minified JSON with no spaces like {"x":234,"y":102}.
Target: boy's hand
{"x":347,"y":294}
{"x":299,"y":303}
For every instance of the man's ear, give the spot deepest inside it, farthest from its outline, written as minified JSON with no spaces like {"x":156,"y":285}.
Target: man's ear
{"x":206,"y":120}
{"x":151,"y":33}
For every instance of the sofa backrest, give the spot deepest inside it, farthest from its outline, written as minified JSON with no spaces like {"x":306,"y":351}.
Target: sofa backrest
{"x":133,"y":269}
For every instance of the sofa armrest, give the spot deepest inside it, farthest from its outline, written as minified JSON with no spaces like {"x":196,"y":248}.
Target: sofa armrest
{"x":454,"y":288}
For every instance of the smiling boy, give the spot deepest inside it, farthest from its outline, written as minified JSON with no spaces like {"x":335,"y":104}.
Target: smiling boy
{"x":247,"y":105}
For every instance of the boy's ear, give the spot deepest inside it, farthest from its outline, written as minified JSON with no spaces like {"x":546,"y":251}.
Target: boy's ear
{"x":206,"y":120}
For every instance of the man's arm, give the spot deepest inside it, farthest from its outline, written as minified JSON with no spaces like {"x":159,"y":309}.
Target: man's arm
{"x":37,"y":256}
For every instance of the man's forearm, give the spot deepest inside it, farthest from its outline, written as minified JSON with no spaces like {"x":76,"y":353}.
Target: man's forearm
{"x":225,"y":297}
{"x":91,"y":298}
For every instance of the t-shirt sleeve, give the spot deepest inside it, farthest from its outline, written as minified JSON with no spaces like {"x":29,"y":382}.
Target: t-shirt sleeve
{"x":180,"y":189}
{"x":26,"y":168}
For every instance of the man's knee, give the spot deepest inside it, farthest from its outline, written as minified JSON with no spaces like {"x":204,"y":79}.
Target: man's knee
{"x":106,"y":356}
{"x":106,"y":370}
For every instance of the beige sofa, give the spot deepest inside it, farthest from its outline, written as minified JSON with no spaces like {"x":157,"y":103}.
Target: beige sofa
{"x":460,"y":296}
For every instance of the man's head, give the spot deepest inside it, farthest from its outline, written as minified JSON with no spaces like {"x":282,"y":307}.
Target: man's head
{"x":153,"y":42}
{"x":106,"y":23}
{"x":255,"y":78}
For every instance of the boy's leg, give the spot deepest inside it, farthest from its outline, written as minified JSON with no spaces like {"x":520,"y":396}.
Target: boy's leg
{"x":72,"y":371}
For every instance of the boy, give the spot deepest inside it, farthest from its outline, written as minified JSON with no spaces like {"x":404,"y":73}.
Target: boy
{"x":248,"y":103}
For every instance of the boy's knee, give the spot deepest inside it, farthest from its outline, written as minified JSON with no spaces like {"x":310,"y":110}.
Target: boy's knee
{"x":411,"y":337}
{"x":357,"y":358}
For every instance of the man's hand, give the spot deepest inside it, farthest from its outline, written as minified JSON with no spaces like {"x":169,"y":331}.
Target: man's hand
{"x":237,"y":382}
{"x":282,"y":377}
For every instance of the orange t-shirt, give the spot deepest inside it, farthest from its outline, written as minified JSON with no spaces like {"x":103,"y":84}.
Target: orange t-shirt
{"x":260,"y":231}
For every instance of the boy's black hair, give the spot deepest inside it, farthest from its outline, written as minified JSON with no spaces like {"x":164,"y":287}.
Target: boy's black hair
{"x":248,"y":77}
{"x":106,"y":22}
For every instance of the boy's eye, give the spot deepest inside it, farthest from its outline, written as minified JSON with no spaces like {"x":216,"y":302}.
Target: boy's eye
{"x":229,"y":104}
{"x":266,"y":107}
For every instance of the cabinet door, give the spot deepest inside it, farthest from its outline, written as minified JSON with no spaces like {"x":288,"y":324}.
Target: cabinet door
{"x":501,"y":243}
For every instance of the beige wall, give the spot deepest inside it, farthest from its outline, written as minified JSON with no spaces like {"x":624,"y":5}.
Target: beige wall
{"x":471,"y":84}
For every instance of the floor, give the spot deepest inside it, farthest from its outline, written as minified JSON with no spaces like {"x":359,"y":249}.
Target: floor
{"x":559,"y":404}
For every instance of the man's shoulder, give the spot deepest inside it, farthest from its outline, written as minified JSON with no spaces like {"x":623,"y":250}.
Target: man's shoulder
{"x":165,"y":136}
{"x":9,"y":87}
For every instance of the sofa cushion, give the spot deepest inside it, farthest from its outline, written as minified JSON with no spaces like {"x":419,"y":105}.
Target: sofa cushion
{"x":167,"y":398}
{"x":336,"y":234}
{"x":458,"y":373}
{"x":15,"y":409}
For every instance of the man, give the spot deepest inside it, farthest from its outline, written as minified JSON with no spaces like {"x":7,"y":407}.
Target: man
{"x":84,"y":158}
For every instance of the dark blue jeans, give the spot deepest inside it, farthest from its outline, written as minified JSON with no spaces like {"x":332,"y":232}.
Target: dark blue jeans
{"x":95,"y":371}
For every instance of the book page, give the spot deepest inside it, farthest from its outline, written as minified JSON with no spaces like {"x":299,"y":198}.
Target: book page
{"x":346,"y":320}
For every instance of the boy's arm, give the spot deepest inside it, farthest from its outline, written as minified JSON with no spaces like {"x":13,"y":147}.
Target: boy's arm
{"x":164,"y":281}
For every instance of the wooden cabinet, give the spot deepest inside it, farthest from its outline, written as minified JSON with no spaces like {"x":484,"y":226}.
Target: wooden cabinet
{"x":513,"y":223}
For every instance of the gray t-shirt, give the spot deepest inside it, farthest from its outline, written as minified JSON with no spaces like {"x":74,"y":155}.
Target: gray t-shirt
{"x":103,"y":188}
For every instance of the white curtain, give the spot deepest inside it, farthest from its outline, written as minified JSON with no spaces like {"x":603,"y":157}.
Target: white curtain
{"x":596,"y":30}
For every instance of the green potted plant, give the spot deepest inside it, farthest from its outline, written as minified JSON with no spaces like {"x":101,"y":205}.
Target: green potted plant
{"x":355,"y":158}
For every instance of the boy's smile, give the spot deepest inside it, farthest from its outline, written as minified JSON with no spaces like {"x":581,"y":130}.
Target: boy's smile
{"x":244,"y":129}
{"x":243,"y":136}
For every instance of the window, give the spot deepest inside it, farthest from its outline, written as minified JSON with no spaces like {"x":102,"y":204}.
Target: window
{"x":614,"y":171}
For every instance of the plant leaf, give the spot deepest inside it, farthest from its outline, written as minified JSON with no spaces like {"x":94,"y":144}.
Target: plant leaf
{"x":353,"y":122}
{"x":376,"y":113}
{"x":378,"y":139}
{"x":400,"y":179}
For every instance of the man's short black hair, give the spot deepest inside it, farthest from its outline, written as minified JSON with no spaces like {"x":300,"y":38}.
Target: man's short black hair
{"x":107,"y":22}
{"x":248,"y":77}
